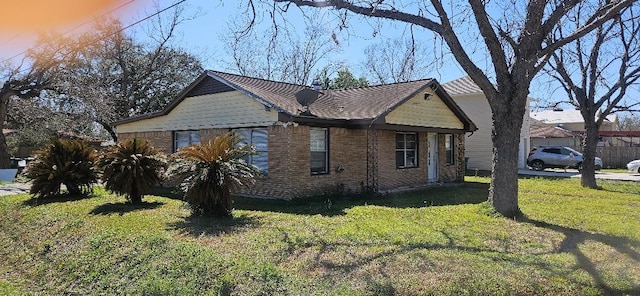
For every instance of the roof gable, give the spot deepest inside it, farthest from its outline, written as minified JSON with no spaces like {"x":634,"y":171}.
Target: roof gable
{"x":366,"y":103}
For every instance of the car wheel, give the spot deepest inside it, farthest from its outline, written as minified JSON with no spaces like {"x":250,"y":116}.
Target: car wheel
{"x":639,"y":170}
{"x":537,"y":165}
{"x":580,"y":167}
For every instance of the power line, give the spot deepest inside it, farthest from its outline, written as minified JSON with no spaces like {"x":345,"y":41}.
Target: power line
{"x":10,"y":39}
{"x":68,"y":31}
{"x":112,"y":34}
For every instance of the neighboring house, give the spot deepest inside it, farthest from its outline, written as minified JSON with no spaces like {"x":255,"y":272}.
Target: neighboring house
{"x":312,"y":142}
{"x":543,"y":135}
{"x":478,"y":145}
{"x":572,"y":120}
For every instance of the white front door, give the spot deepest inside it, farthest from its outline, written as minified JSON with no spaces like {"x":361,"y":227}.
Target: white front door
{"x":433,"y":157}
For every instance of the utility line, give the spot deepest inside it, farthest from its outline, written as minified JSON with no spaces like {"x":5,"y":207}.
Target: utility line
{"x":68,"y":31}
{"x":112,"y":34}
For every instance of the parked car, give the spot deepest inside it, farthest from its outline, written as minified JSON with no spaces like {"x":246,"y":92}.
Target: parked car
{"x":541,"y":158}
{"x":634,"y":166}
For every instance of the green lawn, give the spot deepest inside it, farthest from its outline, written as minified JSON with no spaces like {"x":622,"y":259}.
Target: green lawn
{"x":441,"y":241}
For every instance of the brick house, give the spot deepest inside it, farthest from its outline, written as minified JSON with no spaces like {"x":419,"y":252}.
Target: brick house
{"x":312,"y":142}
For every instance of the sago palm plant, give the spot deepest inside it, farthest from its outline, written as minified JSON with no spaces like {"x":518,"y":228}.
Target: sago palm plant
{"x":210,"y":171}
{"x":68,"y":162}
{"x":131,"y":168}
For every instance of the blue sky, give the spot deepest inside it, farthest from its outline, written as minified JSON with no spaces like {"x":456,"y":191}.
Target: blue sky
{"x":201,"y":36}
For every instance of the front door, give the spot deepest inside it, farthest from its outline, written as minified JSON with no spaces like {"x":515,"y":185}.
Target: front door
{"x":433,"y":157}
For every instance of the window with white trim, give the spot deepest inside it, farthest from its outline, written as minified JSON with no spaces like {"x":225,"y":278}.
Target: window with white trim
{"x":319,"y":142}
{"x":183,"y":139}
{"x":259,"y":138}
{"x":406,"y":150}
{"x":448,"y":148}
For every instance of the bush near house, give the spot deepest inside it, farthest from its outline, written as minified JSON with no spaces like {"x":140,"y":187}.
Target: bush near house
{"x":209,"y":171}
{"x":62,"y":162}
{"x":131,"y":168}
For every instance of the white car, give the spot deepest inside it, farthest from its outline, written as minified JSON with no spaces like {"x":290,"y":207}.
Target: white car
{"x":634,"y":166}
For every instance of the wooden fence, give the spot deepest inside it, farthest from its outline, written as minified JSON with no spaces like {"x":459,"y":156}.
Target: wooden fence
{"x":616,"y":157}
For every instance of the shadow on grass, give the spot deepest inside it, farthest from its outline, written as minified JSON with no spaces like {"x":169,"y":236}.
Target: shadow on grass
{"x":33,"y":201}
{"x":332,"y":205}
{"x":574,"y":237}
{"x":212,"y":226}
{"x":123,"y":208}
{"x":168,"y":192}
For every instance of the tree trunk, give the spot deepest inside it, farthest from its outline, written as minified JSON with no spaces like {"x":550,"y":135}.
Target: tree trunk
{"x":588,"y":178}
{"x":136,"y":197}
{"x":110,"y":130}
{"x":5,"y":157}
{"x":503,"y":191}
{"x":508,"y":116}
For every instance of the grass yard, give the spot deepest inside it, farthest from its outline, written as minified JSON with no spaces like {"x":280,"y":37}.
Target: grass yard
{"x":442,"y":241}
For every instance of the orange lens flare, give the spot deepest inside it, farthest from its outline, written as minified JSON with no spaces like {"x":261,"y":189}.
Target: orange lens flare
{"x":26,"y":16}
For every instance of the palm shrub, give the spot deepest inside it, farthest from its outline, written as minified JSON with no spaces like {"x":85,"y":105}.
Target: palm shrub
{"x":210,"y":171}
{"x":131,"y":168}
{"x":68,"y":162}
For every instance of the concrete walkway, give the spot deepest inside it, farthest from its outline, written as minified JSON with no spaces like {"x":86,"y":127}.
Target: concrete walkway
{"x":14,"y":188}
{"x":575,"y":174}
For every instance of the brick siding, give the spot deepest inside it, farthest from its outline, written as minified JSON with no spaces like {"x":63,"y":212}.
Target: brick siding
{"x":289,"y":174}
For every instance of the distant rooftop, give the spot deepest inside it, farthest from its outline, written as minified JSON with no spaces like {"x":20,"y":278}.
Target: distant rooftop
{"x":563,"y":116}
{"x":462,"y":86}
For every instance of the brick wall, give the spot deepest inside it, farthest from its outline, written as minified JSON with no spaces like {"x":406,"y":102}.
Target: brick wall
{"x":289,"y":175}
{"x":389,"y":176}
{"x":161,"y":140}
{"x":451,"y":172}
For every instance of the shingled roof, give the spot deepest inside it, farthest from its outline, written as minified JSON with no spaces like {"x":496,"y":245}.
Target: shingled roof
{"x":365,"y":103}
{"x":355,"y":103}
{"x":462,"y":86}
{"x":542,"y":131}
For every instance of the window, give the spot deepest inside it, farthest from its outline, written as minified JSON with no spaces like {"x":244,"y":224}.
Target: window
{"x":319,"y":152}
{"x":185,"y":139}
{"x":448,"y":148}
{"x":406,"y":150}
{"x":258,"y":137}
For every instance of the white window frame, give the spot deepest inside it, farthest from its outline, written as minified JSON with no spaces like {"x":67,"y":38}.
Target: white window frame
{"x":317,"y":146}
{"x":194,"y":139}
{"x":402,"y":147}
{"x":247,"y":135}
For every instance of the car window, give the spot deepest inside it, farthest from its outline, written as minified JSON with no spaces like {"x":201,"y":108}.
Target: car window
{"x":567,"y":152}
{"x":552,"y":150}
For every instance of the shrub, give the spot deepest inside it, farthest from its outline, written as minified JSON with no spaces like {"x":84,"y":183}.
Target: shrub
{"x":208,"y":172}
{"x":68,"y":162}
{"x":131,"y":168}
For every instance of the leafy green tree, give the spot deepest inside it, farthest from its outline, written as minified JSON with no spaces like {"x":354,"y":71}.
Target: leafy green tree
{"x":111,"y":76}
{"x":346,"y":79}
{"x":210,"y":171}
{"x":68,"y":162}
{"x":131,"y":168}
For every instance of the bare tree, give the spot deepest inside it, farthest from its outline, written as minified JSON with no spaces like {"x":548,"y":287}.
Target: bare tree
{"x":629,"y":122}
{"x":282,"y":57}
{"x":596,"y":72}
{"x":514,"y":35}
{"x":397,"y":60}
